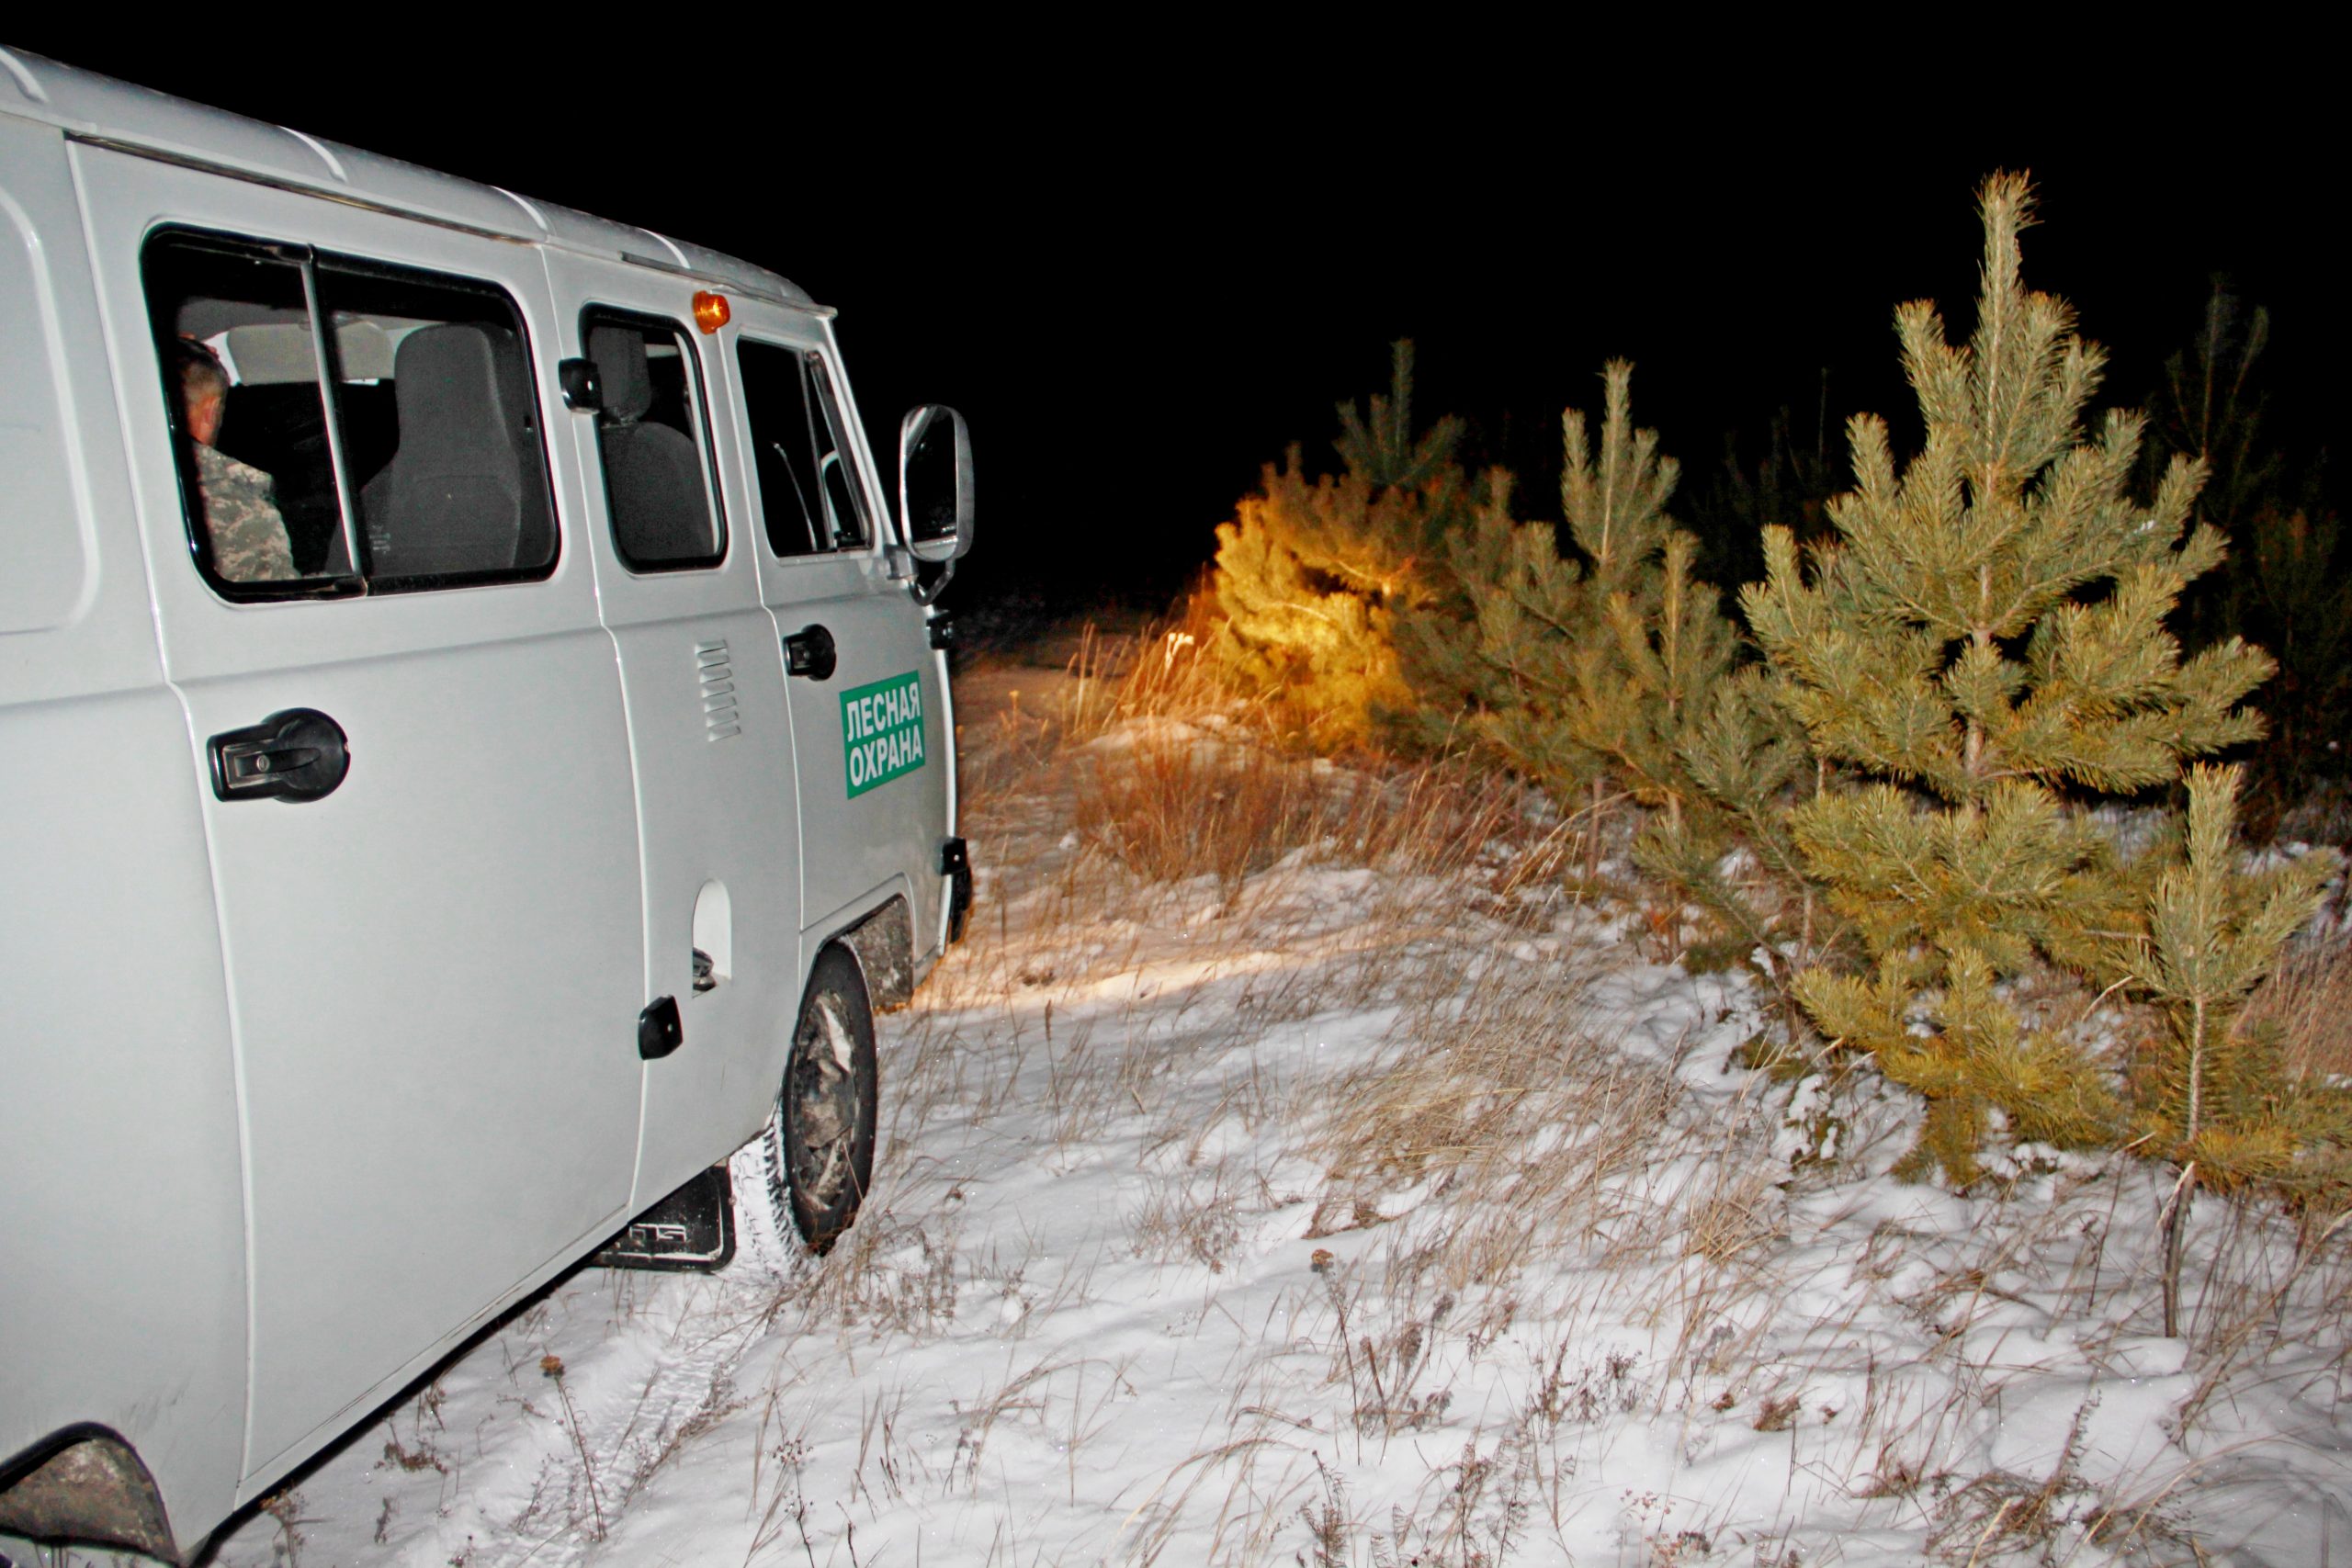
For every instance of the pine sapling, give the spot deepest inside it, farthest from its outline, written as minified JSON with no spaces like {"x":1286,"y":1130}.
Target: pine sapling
{"x":1984,"y":642}
{"x":1312,"y":572}
{"x":1731,"y":850}
{"x":1630,"y":698}
{"x":2214,"y":1099}
{"x":1585,"y":672}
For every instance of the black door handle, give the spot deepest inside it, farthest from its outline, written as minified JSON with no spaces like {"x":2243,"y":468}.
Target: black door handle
{"x":299,"y":754}
{"x":809,"y":652}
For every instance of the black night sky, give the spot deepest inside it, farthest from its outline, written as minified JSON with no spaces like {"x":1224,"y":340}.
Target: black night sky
{"x":1139,"y":293}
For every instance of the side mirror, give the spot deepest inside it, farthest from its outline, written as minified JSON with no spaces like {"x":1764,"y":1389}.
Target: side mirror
{"x":935,"y":483}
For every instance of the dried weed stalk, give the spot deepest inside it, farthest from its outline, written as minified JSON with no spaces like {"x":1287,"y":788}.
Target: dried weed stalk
{"x":2308,"y":1000}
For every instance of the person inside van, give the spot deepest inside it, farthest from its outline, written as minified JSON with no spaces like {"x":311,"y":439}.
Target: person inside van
{"x":235,"y":499}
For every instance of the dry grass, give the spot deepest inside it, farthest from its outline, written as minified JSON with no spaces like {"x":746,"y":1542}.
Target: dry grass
{"x":1552,"y":1150}
{"x":2309,"y":1001}
{"x":1169,"y":807}
{"x":1175,"y":777}
{"x":1182,"y":808}
{"x":1162,"y":671}
{"x":1169,"y":810}
{"x":1462,"y":1095}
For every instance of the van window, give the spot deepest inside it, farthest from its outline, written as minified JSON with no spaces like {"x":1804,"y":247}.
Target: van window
{"x":440,"y":427}
{"x":654,"y":441}
{"x":809,"y":497}
{"x":416,"y":415}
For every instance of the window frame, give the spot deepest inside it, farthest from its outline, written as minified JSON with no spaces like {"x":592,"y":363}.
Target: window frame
{"x":841,"y":422}
{"x":811,"y":507}
{"x":823,"y":406}
{"x":594,"y":313}
{"x":359,"y":581}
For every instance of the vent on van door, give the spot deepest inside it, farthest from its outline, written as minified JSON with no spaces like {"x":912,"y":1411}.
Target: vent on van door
{"x":719,"y":716}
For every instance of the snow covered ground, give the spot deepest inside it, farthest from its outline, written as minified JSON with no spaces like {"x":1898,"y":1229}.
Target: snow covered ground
{"x":1372,"y":1216}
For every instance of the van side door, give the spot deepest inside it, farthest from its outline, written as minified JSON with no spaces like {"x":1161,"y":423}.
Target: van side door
{"x":717,"y":800}
{"x":877,"y":742}
{"x":432,"y":953}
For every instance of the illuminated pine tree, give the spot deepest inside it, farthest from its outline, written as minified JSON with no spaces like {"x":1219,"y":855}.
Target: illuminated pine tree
{"x":1983,"y":640}
{"x":1313,"y":571}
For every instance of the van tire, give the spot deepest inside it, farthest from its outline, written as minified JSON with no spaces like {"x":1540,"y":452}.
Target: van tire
{"x":815,"y":1158}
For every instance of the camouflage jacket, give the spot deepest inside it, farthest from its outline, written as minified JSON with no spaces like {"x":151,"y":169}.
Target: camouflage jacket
{"x":249,"y":542}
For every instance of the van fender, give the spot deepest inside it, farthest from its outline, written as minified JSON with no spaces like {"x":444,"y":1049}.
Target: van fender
{"x":883,"y":943}
{"x":86,"y":1483}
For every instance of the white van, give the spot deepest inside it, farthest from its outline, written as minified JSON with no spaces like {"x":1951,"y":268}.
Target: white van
{"x":474,"y":747}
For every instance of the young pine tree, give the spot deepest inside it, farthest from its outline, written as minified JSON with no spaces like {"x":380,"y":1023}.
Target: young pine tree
{"x":1312,"y":572}
{"x":1985,"y":637}
{"x":1733,"y":850}
{"x":1586,"y":673}
{"x":2212,"y":1096}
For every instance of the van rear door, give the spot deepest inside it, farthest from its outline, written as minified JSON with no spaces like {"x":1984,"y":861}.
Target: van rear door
{"x":433,"y":968}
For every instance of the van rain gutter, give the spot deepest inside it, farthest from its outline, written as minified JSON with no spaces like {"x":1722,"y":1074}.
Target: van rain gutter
{"x":733,"y":286}
{"x":367,"y":204}
{"x":278,"y":182}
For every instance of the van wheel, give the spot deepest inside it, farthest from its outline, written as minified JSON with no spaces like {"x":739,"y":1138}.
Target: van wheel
{"x":815,"y":1156}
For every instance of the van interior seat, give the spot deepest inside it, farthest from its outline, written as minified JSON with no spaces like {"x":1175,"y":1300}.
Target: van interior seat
{"x":653,"y":480}
{"x":455,"y":496}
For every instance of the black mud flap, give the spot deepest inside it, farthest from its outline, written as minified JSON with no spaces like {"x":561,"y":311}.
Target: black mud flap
{"x":955,"y":864}
{"x":692,"y":1229}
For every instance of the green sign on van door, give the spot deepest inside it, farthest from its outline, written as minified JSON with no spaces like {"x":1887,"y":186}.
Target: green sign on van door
{"x":882,"y":731}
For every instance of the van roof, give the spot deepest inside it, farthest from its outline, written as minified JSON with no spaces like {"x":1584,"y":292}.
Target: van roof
{"x":101,"y":109}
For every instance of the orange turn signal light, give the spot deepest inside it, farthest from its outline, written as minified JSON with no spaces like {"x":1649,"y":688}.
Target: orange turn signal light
{"x":710,"y":311}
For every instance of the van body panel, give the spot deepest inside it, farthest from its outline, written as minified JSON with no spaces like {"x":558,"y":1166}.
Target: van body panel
{"x":52,"y":549}
{"x":77,"y":594}
{"x":856,"y":837}
{"x":712,"y":738}
{"x":408,"y":187}
{"x":119,"y":1162}
{"x":120,"y":1133}
{"x":713,"y":810}
{"x":598,"y":237}
{"x":120,"y":112}
{"x":432,"y":969}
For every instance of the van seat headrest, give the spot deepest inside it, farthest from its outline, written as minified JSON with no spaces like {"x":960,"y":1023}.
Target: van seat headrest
{"x":448,"y":388}
{"x":620,"y":354}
